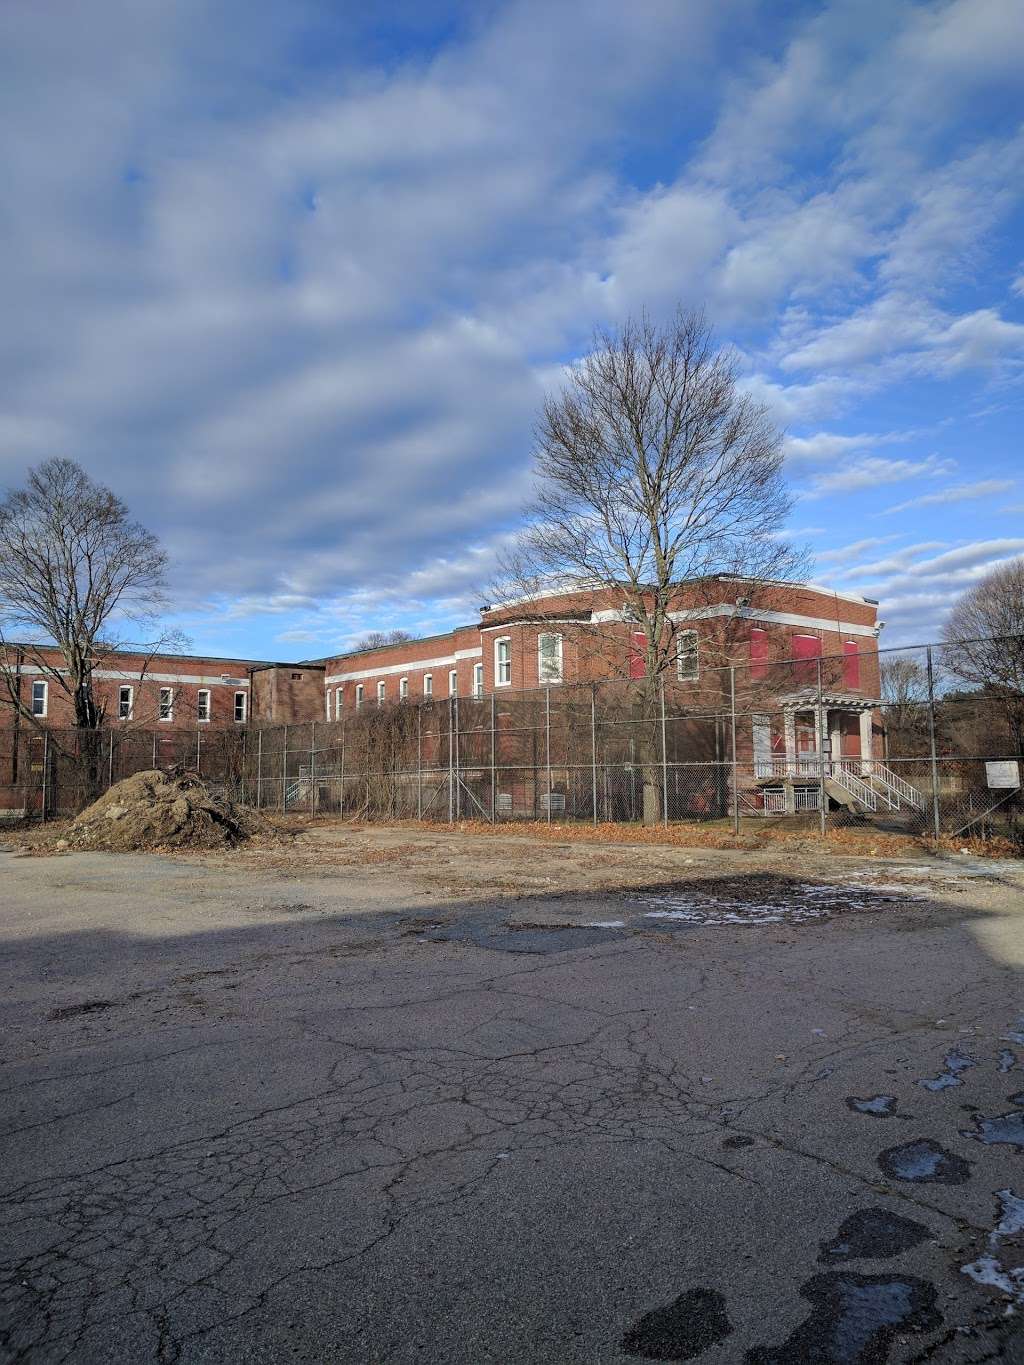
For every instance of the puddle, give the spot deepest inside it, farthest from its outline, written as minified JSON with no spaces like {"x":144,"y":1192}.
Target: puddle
{"x":771,"y":901}
{"x":988,"y":1269}
{"x":1000,"y":1128}
{"x":956,"y":1061}
{"x":924,"y":1162}
{"x":879,"y":1106}
{"x":1007,"y":1059}
{"x":873,"y":1233}
{"x":1016,"y":1034}
{"x":854,"y":1319}
{"x":543,"y":939}
{"x":681,"y":1330}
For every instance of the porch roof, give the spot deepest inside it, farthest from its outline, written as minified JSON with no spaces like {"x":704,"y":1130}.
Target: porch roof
{"x":807,"y":699}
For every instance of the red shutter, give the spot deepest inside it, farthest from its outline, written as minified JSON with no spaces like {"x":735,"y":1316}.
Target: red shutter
{"x":638,"y":654}
{"x":806,"y":648}
{"x":758,"y":652}
{"x":851,"y":664}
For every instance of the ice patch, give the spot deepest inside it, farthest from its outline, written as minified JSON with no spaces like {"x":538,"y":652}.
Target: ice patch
{"x":605,"y":924}
{"x":956,"y":1061}
{"x":988,"y":1269}
{"x":800,"y":902}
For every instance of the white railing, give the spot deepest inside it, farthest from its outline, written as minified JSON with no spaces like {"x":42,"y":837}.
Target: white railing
{"x":806,"y":798}
{"x":896,"y":786}
{"x":844,"y":776}
{"x":805,"y":765}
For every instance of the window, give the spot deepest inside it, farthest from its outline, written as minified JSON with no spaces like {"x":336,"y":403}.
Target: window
{"x":549,"y":658}
{"x":166,"y":711}
{"x":687,"y":657}
{"x":382,"y":688}
{"x":296,"y":677}
{"x":39,"y":691}
{"x":806,"y":651}
{"x":125,"y":703}
{"x":758,"y":652}
{"x":478,"y":680}
{"x":359,"y":695}
{"x":203,"y":704}
{"x":453,"y":682}
{"x":851,"y":665}
{"x":339,"y":702}
{"x":502,"y":662}
{"x":428,"y":684}
{"x":638,"y":654}
{"x":241,"y":707}
{"x":403,"y":689}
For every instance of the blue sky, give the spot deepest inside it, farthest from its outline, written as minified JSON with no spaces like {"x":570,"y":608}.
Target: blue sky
{"x":293,"y":277}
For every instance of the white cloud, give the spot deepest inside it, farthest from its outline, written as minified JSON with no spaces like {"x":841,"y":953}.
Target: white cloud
{"x":963,"y":492}
{"x":874,"y":470}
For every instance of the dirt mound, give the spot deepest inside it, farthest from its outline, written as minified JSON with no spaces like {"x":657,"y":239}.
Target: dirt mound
{"x":153,"y":810}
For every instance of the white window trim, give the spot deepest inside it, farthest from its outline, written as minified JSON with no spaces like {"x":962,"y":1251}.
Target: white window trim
{"x":38,"y":682}
{"x":549,"y":682}
{"x":339,"y":702}
{"x":499,"y":681}
{"x":382,"y":691}
{"x":403,"y":689}
{"x":693,"y":653}
{"x":360,"y":695}
{"x":453,"y":682}
{"x":478,"y":680}
{"x":200,"y":718}
{"x":428,"y":684}
{"x":244,"y":698}
{"x":160,"y":705}
{"x":131,"y":703}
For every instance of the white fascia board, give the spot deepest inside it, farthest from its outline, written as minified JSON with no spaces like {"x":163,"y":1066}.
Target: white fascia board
{"x":548,"y":621}
{"x":122,"y":675}
{"x":779,"y":618}
{"x":411,"y":666}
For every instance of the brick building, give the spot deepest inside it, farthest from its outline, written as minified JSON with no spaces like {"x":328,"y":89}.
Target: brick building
{"x":797,"y":662}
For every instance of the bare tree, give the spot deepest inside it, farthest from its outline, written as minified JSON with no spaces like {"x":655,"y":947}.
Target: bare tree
{"x":905,"y":694}
{"x":653,"y":469}
{"x":377,"y":639}
{"x":984,"y":637}
{"x":74,"y":568}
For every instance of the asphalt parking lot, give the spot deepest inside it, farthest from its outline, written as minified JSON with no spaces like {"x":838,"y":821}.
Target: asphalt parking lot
{"x":746,"y":1113}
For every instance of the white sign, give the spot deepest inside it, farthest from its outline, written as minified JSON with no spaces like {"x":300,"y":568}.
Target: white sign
{"x":1003,"y":774}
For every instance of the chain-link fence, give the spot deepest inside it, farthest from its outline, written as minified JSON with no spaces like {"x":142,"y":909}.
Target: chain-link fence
{"x":908,"y":741}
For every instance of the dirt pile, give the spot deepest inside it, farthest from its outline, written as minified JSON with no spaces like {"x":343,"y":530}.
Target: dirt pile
{"x":153,"y":810}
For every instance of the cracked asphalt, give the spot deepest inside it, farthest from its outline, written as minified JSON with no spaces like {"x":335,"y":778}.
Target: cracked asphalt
{"x":351,"y":1115}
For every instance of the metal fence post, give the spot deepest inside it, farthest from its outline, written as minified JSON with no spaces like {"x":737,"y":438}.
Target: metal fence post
{"x":593,"y":747}
{"x":735,"y":771}
{"x":46,"y":760}
{"x":494,"y":775}
{"x":451,"y":760}
{"x":547,"y":743}
{"x":284,"y":771}
{"x":199,"y":748}
{"x":822,"y":741}
{"x":343,"y":763}
{"x":154,"y":748}
{"x":259,"y":769}
{"x":110,"y":763}
{"x":664,"y":757}
{"x":932,"y":746}
{"x":312,"y":768}
{"x":419,"y":761}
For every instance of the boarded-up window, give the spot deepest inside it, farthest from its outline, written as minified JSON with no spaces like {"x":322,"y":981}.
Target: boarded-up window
{"x":806,"y":650}
{"x":638,"y":654}
{"x":758,"y":652}
{"x":851,"y":664}
{"x":687,"y":656}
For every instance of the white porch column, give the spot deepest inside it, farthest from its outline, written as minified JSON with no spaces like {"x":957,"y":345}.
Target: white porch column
{"x":836,"y":736}
{"x":789,"y":730}
{"x":866,"y":752}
